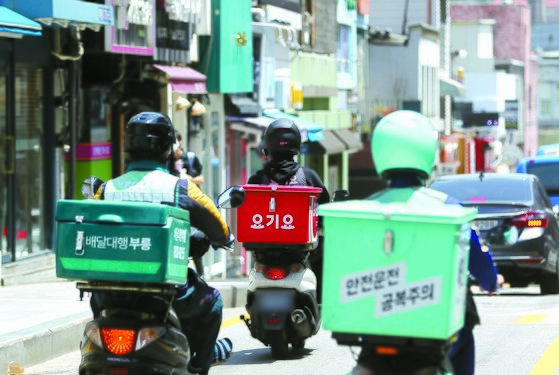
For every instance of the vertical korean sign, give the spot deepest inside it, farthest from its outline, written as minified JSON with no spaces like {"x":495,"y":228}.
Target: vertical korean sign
{"x":134,"y":28}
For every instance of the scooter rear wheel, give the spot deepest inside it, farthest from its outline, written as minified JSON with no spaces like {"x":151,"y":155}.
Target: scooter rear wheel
{"x":298,"y":344}
{"x":278,"y":344}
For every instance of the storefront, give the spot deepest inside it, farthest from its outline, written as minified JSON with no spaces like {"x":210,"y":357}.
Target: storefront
{"x":21,"y":120}
{"x":31,"y":128}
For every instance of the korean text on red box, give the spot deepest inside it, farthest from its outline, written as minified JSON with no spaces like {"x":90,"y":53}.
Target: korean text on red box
{"x":274,"y":214}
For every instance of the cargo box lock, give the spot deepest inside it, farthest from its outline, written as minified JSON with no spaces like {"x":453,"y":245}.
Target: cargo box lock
{"x":388,"y":241}
{"x":79,"y":243}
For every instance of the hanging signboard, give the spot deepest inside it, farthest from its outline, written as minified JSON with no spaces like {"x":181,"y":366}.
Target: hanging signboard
{"x":174,"y":28}
{"x":134,"y":28}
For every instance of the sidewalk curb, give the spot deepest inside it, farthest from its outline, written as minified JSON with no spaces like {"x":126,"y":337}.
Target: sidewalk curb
{"x":44,"y":344}
{"x":39,"y":344}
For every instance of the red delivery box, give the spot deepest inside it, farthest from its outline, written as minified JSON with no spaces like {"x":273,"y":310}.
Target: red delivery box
{"x":277,"y":214}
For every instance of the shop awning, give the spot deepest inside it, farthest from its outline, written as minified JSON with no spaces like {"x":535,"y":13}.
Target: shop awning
{"x":350,"y":139}
{"x":184,"y":79}
{"x":451,"y":87}
{"x":259,"y":121}
{"x":241,"y":105}
{"x":329,"y":144}
{"x":14,"y":25}
{"x":310,"y":131}
{"x":66,"y":12}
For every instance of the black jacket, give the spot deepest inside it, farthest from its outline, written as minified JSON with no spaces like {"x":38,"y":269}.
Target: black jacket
{"x":311,"y":176}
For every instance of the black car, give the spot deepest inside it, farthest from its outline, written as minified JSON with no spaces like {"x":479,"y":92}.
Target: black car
{"x":516,"y":220}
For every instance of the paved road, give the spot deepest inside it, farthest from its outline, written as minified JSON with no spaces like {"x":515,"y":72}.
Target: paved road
{"x":519,"y":335}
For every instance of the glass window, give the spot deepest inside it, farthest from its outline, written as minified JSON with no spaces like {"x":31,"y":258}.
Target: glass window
{"x":547,"y":173}
{"x":485,"y":44}
{"x":545,"y":106}
{"x":28,"y":161}
{"x":487,"y":190}
{"x":343,"y":49}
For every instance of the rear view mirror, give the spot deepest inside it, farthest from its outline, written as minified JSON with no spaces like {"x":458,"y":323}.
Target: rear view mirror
{"x":233,"y":197}
{"x":340,"y":195}
{"x":90,"y":185}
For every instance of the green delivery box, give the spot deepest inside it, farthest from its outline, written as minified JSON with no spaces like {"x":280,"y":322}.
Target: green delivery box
{"x":122,"y":241}
{"x":396,"y":264}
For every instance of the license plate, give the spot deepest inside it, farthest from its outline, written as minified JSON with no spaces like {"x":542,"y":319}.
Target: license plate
{"x":276,"y":300}
{"x":486,"y":224}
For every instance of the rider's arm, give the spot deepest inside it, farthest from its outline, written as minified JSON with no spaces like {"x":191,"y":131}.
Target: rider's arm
{"x":204,"y":215}
{"x":256,"y":178}
{"x":314,"y":180}
{"x":481,"y":264}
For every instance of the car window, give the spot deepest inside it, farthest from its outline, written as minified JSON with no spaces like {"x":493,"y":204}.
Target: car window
{"x":542,"y":199}
{"x":490,"y":190}
{"x":548,"y":173}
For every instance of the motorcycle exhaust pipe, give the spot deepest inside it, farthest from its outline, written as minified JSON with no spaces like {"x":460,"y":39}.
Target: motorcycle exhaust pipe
{"x":301,"y":323}
{"x":298,"y":316}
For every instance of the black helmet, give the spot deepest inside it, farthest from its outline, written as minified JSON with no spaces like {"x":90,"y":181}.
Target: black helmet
{"x":149,"y":131}
{"x":282,"y":136}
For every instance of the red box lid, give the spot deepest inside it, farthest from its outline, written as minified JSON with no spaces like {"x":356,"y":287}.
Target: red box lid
{"x":281,"y":188}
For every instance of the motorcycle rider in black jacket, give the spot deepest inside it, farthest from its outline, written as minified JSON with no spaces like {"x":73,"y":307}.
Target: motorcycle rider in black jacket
{"x":282,"y":143}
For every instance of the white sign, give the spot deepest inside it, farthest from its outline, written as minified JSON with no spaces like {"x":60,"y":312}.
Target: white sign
{"x":371,"y":283}
{"x":408,"y":297}
{"x":140,"y":12}
{"x":286,"y":221}
{"x":391,"y":291}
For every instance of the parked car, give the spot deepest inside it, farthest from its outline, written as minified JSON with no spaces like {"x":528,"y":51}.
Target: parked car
{"x":546,"y":167}
{"x":516,"y":220}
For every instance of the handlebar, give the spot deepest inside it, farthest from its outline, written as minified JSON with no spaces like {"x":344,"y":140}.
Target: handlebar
{"x":224,"y":248}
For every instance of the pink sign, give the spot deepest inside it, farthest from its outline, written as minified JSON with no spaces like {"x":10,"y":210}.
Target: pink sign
{"x":94,"y":151}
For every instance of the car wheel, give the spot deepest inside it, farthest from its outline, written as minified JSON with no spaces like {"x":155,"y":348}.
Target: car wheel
{"x":549,"y":283}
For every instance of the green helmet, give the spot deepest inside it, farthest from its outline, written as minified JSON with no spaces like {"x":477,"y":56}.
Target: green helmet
{"x":404,"y":143}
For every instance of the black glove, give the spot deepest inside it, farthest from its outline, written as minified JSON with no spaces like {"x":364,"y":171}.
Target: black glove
{"x":199,"y":243}
{"x":229,"y":243}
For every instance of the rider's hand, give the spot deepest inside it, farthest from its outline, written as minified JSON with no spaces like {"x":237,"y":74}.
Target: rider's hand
{"x":228,"y":244}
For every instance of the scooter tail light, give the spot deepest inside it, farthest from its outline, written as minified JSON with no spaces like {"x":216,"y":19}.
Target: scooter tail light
{"x":147,"y":335}
{"x":386,"y":350}
{"x":531,"y":219}
{"x":119,"y":341}
{"x":93,"y":333}
{"x":275,"y":273}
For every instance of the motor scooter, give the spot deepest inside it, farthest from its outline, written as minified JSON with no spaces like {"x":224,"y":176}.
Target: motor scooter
{"x":281,"y":300}
{"x":282,"y":292}
{"x":136,"y":330}
{"x":392,"y":355}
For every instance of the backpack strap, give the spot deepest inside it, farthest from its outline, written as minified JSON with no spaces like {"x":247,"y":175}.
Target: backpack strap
{"x":301,"y":178}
